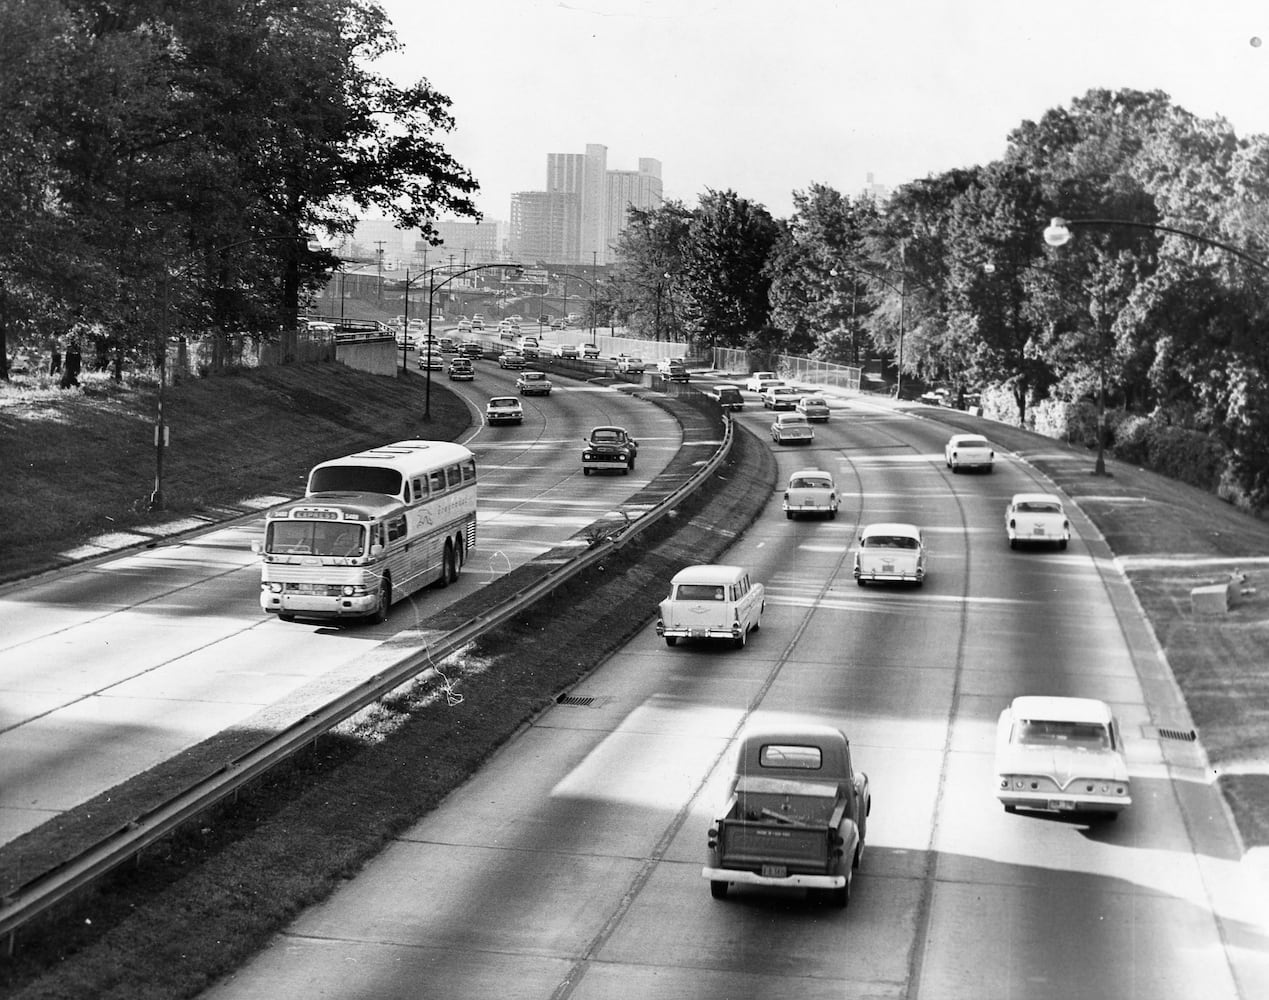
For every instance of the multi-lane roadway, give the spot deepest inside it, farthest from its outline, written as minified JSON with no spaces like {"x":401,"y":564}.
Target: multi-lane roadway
{"x":110,"y":669}
{"x":570,"y":866}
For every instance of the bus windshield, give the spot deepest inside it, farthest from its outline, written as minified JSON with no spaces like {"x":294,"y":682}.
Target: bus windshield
{"x":355,"y":479}
{"x":315,"y":538}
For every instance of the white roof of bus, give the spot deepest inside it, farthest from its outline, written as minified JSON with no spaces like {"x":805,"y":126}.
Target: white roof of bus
{"x":406,"y":456}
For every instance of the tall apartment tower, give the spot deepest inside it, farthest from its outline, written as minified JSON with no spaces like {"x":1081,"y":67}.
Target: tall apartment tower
{"x":583,"y":209}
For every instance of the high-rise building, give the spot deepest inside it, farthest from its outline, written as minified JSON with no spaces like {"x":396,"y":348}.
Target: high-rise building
{"x":583,"y":209}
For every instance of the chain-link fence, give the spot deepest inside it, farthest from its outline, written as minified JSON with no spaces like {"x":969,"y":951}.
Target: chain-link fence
{"x":789,"y":367}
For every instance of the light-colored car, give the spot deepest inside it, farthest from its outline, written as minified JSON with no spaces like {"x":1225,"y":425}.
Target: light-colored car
{"x":478,"y":322}
{"x":811,"y":491}
{"x":968,"y":451}
{"x":1036,"y":517}
{"x":532,"y":383}
{"x":814,"y":408}
{"x":461,"y":370}
{"x":470,"y":351}
{"x":781,"y":397}
{"x":1063,"y":755}
{"x":791,"y":428}
{"x":433,"y":362}
{"x":590,"y":350}
{"x":504,"y":410}
{"x":629,"y":365}
{"x":609,"y":448}
{"x":464,"y":325}
{"x":763,"y":387}
{"x":711,"y":602}
{"x":672,"y":370}
{"x":567,"y":351}
{"x":510,"y":359}
{"x":891,"y":552}
{"x":754,"y":382}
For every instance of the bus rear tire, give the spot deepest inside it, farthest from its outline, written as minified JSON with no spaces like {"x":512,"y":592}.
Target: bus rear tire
{"x":455,"y":562}
{"x":447,"y":566}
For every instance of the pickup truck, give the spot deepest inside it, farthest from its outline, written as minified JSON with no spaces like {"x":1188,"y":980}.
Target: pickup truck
{"x":797,"y":815}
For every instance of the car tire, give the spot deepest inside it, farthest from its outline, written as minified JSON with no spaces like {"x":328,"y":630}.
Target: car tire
{"x":1013,"y":543}
{"x":1062,"y":545}
{"x":671,"y":640}
{"x":585,"y":472}
{"x":832,"y":515}
{"x":860,"y":580}
{"x":740,"y":641}
{"x":718,"y":889}
{"x":1010,"y":809}
{"x":286,"y":618}
{"x":788,"y":515}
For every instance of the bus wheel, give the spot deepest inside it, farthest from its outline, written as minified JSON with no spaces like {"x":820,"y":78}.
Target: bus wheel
{"x":380,"y":613}
{"x":455,"y":560}
{"x":447,"y":562}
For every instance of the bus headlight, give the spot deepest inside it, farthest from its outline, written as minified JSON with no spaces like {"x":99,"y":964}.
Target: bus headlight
{"x":349,"y":590}
{"x":275,"y":588}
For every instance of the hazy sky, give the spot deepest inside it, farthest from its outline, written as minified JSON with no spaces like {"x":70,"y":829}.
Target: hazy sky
{"x":767,"y":98}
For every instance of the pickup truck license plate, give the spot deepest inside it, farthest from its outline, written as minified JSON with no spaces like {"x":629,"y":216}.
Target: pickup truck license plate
{"x":1062,"y":805}
{"x":775,"y":871}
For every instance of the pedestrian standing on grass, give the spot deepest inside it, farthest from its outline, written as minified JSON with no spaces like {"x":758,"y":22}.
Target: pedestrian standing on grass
{"x":74,"y":361}
{"x":55,"y":360}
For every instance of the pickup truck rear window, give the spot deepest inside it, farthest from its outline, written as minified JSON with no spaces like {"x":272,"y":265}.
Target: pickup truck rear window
{"x":782,"y":755}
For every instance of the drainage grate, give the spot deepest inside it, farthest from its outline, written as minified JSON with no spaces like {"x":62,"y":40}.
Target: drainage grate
{"x":572,"y":699}
{"x":1164,"y":733}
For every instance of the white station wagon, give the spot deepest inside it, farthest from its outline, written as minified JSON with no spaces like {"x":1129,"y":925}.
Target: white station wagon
{"x":1061,"y":755}
{"x":968,"y":451}
{"x":811,"y":491}
{"x":711,"y":602}
{"x":1036,"y":517}
{"x":890,"y":552}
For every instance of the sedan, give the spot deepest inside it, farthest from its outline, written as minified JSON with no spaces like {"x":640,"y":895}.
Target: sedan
{"x":968,"y":451}
{"x":1061,"y":755}
{"x":470,"y":351}
{"x":567,"y":351}
{"x":814,"y":408}
{"x":629,"y":365}
{"x":791,"y":428}
{"x":511,"y":359}
{"x":533,"y":384}
{"x":504,"y":410}
{"x":781,"y":397}
{"x":1036,"y":517}
{"x":890,"y":552}
{"x":811,"y":491}
{"x":461,"y":370}
{"x":432,"y":362}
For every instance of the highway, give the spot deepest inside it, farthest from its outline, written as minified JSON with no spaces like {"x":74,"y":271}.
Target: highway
{"x":570,"y":866}
{"x":112,"y":668}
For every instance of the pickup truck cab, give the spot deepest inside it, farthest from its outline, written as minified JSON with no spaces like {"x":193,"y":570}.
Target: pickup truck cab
{"x":609,"y":448}
{"x":796,"y":815}
{"x":711,"y":602}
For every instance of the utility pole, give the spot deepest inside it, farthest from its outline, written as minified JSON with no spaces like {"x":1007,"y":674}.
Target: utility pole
{"x":379,"y":257}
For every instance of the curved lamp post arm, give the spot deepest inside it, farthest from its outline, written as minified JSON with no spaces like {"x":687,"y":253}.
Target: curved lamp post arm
{"x":1058,"y":233}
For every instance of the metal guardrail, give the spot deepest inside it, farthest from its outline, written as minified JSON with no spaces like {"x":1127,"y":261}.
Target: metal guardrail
{"x":46,"y":891}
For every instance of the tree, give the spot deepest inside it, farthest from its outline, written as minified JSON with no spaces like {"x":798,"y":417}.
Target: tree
{"x":725,"y":273}
{"x":644,"y":291}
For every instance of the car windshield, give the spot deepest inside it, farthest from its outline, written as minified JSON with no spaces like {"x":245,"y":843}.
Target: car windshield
{"x":1039,"y":507}
{"x":1060,"y":732}
{"x":606,"y":437}
{"x":891,"y":542}
{"x":699,"y":592}
{"x":504,"y":401}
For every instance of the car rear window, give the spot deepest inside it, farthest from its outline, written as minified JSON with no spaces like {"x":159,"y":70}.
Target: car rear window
{"x":1053,"y":732}
{"x":700,"y":592}
{"x":790,"y":755}
{"x":890,"y":542}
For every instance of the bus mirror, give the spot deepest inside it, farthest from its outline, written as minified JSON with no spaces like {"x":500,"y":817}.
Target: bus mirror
{"x":257,"y":546}
{"x":376,"y":550}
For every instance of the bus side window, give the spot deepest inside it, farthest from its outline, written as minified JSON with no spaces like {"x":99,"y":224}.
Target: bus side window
{"x":396,"y":528}
{"x":469,"y":471}
{"x":455,"y":477}
{"x":420,"y":490}
{"x":438,"y":481}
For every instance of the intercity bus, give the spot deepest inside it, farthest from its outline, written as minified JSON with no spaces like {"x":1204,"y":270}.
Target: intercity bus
{"x":373,"y":528}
